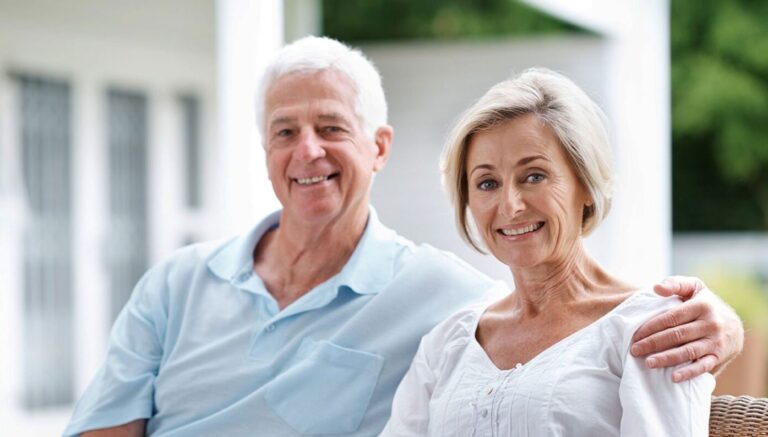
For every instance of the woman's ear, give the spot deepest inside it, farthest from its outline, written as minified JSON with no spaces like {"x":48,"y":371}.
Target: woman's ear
{"x":587,"y":212}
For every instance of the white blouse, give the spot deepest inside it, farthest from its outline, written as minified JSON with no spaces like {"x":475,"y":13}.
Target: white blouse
{"x":587,"y":384}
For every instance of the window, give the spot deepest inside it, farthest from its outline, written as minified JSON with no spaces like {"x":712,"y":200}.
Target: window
{"x":127,"y":243}
{"x":44,"y":109}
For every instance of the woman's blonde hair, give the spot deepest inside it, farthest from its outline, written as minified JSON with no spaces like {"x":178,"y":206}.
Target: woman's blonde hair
{"x":576,"y":120}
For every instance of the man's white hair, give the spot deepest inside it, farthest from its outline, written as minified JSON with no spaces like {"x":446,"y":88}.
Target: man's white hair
{"x":312,"y":54}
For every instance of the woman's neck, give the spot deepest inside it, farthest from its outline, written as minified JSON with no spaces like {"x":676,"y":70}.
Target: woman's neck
{"x":573,"y":278}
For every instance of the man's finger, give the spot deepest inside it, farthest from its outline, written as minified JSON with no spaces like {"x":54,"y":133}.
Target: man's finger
{"x":698,"y":367}
{"x":679,"y":315}
{"x":681,"y":355}
{"x":683,"y":286}
{"x":673,"y":337}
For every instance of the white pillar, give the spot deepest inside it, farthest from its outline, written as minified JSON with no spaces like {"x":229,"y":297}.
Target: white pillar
{"x":13,"y":216}
{"x":90,"y":298}
{"x":639,"y":107}
{"x":248,"y":34}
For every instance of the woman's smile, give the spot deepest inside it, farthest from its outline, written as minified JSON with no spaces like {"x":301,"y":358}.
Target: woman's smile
{"x":519,"y":232}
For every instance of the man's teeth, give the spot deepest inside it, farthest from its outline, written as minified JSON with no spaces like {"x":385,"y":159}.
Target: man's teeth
{"x":312,"y":180}
{"x":520,"y":231}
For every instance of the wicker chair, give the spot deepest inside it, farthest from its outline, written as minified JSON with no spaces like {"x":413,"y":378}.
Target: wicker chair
{"x":732,"y":416}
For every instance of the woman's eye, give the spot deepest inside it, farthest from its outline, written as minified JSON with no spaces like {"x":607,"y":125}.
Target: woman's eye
{"x":486,"y":185}
{"x":535,"y":178}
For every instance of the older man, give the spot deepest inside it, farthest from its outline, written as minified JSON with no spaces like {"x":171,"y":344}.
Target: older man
{"x":306,"y":324}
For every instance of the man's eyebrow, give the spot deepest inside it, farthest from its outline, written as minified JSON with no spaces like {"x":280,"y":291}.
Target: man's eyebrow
{"x":281,"y":120}
{"x":332,"y":116}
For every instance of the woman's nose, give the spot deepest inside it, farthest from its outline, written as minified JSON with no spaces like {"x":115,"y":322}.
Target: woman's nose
{"x":513,"y":202}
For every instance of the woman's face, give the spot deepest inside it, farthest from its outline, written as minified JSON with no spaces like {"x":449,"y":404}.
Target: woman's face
{"x":524,"y":195}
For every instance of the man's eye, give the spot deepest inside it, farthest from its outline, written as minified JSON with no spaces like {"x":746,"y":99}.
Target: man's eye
{"x":535,"y":178}
{"x":332,"y":129}
{"x":284,"y":133}
{"x":487,"y":185}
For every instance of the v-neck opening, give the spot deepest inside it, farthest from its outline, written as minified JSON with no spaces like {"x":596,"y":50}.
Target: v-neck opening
{"x":547,"y":351}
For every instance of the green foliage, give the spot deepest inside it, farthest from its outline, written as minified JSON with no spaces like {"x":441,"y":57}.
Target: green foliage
{"x":743,"y":292}
{"x":720,"y":114}
{"x":376,"y":20}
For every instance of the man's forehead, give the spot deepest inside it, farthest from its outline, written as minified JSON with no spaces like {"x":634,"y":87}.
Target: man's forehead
{"x":311,"y":110}
{"x":302,"y":87}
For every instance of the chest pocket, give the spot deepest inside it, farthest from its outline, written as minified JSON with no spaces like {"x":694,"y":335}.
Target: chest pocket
{"x":326,"y":389}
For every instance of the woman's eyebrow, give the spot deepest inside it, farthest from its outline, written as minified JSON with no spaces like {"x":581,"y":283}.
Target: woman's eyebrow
{"x":481,"y":167}
{"x":529,"y":159}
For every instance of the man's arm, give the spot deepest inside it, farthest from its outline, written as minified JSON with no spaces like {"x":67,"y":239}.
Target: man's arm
{"x":130,"y":429}
{"x":122,"y":391}
{"x":703,"y":330}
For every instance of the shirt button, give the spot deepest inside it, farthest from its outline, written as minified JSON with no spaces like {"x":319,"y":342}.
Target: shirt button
{"x":490,"y":390}
{"x":484,"y":413}
{"x":270,"y":327}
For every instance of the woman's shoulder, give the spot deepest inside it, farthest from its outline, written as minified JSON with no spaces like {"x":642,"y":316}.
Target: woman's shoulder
{"x":641,"y":305}
{"x":457,"y":329}
{"x":644,"y":303}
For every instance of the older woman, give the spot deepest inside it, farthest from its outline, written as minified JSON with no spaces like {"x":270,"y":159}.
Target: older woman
{"x":530,"y":161}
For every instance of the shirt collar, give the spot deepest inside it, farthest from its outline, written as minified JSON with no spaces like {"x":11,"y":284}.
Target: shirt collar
{"x":368,"y":270}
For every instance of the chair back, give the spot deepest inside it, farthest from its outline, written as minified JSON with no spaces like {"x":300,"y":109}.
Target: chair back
{"x":737,"y":416}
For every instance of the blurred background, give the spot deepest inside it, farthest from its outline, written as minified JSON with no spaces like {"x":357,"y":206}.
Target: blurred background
{"x":127,"y":131}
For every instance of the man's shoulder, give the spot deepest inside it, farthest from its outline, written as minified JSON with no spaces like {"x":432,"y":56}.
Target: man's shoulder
{"x":193,"y":256}
{"x":425,"y":256}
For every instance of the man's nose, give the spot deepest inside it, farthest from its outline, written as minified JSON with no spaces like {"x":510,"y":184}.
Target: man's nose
{"x":309,"y":147}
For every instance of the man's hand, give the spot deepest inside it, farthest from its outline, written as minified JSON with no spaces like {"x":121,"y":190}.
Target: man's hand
{"x":704,"y":330}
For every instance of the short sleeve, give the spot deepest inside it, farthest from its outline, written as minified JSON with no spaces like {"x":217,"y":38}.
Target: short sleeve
{"x":122,"y":390}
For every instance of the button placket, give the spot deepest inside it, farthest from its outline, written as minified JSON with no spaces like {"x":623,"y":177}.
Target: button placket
{"x":483,"y":407}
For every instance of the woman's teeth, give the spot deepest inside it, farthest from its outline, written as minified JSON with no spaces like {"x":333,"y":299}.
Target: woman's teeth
{"x":520,"y":231}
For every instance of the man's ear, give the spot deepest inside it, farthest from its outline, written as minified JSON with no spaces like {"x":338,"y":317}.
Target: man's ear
{"x":383,"y":142}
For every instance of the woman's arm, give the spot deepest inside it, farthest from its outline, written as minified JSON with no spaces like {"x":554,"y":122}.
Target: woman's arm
{"x":654,"y":406}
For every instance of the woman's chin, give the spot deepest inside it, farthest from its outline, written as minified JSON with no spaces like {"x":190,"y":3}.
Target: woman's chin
{"x":520,"y":261}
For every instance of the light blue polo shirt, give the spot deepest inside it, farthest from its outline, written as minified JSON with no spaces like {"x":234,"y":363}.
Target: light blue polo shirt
{"x":202,"y":349}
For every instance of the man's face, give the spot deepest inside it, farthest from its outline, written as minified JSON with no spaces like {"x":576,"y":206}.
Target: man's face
{"x":319,"y":159}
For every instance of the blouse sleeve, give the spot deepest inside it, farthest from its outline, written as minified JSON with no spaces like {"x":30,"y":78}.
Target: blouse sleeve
{"x":653,"y":405}
{"x":410,"y":408}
